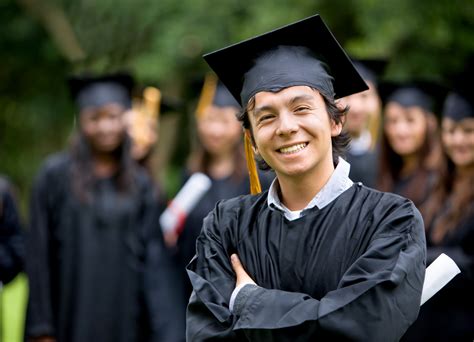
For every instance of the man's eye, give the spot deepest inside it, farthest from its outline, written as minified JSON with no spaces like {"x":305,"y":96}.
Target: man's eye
{"x":265,"y":117}
{"x":301,"y":109}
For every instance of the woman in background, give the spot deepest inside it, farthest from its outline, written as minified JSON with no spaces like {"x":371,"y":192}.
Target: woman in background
{"x":91,"y":211}
{"x":220,"y":156}
{"x":410,"y":152}
{"x":449,"y":219}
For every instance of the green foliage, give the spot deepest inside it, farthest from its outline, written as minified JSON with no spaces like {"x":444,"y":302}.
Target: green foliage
{"x":161,"y":42}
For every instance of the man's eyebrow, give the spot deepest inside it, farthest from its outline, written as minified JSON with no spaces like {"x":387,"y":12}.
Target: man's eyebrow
{"x":300,"y":98}
{"x":257,"y":111}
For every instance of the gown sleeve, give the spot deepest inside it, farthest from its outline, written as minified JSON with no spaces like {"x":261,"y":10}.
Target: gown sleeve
{"x":39,"y":320}
{"x":377,"y":298}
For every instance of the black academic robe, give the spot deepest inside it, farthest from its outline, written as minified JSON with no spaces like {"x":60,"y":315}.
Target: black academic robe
{"x":85,"y":261}
{"x":449,"y":314}
{"x":363,"y":167}
{"x":223,"y":188}
{"x":353,"y":270}
{"x":11,"y":236}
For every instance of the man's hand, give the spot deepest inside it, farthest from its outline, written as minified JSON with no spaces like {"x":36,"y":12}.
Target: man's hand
{"x":242,"y":276}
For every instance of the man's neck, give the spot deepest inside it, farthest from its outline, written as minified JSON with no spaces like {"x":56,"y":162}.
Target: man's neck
{"x":297,"y":192}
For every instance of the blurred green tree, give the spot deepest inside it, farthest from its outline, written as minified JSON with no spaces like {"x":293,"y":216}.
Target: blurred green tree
{"x":161,"y":42}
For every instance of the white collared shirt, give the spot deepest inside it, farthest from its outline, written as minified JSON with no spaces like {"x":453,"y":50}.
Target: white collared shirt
{"x":336,"y":185}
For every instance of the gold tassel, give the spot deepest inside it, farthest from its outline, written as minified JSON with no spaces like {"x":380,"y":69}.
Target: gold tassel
{"x":207,"y":95}
{"x":255,"y":187}
{"x":152,"y":102}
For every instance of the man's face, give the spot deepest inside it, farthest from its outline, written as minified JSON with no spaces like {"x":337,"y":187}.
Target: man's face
{"x":361,"y":107}
{"x":292,"y":131}
{"x":104,"y":127}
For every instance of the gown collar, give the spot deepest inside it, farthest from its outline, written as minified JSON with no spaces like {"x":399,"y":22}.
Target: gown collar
{"x":336,"y":185}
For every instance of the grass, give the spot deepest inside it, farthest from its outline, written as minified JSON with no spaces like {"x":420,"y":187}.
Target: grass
{"x":13,"y":307}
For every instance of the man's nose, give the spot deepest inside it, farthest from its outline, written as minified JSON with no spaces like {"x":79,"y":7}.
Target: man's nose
{"x":287,"y":124}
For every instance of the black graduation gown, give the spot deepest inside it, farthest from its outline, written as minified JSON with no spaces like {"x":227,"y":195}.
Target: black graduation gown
{"x":353,"y":270}
{"x":449,"y":314}
{"x":85,"y":261}
{"x":11,"y":236}
{"x":363,"y":167}
{"x":220,"y":189}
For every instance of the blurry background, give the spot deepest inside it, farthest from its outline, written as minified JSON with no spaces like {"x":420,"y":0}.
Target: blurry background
{"x":161,"y":43}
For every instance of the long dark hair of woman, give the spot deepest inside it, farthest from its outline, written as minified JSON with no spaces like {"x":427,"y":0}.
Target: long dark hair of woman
{"x":460,"y":203}
{"x":391,"y":165}
{"x":201,"y":161}
{"x":83,"y":179}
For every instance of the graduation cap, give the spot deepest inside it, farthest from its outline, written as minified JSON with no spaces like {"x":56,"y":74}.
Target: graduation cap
{"x":215,"y":93}
{"x":370,"y":69}
{"x":97,"y":91}
{"x":302,"y":53}
{"x":425,"y":94}
{"x":459,"y":103}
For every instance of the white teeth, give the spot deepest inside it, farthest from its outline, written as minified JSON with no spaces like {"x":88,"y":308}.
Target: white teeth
{"x":293,"y":149}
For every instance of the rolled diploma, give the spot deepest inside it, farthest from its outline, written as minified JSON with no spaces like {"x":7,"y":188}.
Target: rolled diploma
{"x":186,"y":199}
{"x":441,"y":271}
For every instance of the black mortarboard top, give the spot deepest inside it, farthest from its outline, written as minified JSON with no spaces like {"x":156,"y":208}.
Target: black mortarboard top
{"x":302,"y":53}
{"x":97,"y":91}
{"x":425,"y":94}
{"x":371,"y":70}
{"x":459,"y":103}
{"x":223,"y":98}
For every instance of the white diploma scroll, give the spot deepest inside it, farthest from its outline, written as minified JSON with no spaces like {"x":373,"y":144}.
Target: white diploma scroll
{"x":441,"y":271}
{"x":186,"y":199}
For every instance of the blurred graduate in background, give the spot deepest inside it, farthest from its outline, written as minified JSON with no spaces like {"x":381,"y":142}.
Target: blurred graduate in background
{"x":11,"y":235}
{"x":363,"y":123}
{"x":92,"y":209}
{"x":449,"y":219}
{"x":163,"y":283}
{"x":219,"y":154}
{"x":410,"y":152}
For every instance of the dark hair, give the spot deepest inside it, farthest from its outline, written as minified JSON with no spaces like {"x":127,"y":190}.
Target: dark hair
{"x":200,"y":159}
{"x":428,"y":158}
{"x":336,"y":114}
{"x":460,"y":202}
{"x":83,"y":178}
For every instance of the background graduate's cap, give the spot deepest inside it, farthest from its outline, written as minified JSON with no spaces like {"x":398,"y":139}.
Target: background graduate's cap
{"x":97,"y":91}
{"x":214,"y":92}
{"x":371,"y":69}
{"x":302,"y":53}
{"x":459,"y":103}
{"x":428,"y":95}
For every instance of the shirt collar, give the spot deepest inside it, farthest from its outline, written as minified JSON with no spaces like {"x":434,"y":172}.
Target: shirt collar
{"x":336,"y":185}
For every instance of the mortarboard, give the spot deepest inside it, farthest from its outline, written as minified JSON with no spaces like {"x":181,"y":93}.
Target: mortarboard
{"x":458,"y":106}
{"x":425,"y":94}
{"x":370,"y":69}
{"x":214,"y":92}
{"x":97,"y":91}
{"x":459,"y":103}
{"x":301,"y":53}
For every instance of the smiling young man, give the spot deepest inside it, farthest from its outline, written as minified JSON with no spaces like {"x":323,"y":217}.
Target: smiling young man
{"x":316,"y":256}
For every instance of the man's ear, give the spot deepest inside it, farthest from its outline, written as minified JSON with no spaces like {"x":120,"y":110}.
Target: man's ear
{"x":336,"y":128}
